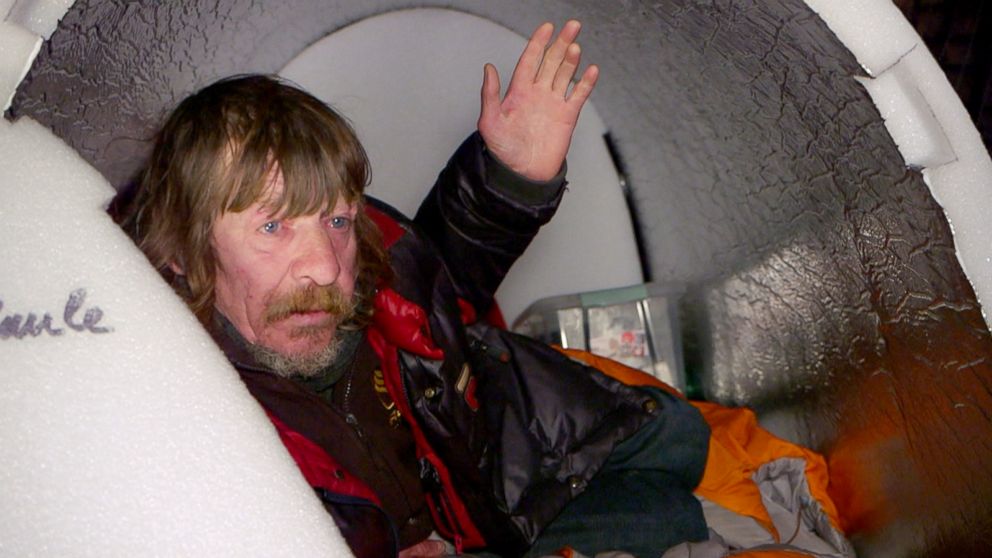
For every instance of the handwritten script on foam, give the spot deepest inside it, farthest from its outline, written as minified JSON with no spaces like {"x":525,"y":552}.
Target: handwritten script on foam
{"x":20,"y":326}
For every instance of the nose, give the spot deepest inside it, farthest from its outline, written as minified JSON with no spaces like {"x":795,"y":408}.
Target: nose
{"x":315,"y":257}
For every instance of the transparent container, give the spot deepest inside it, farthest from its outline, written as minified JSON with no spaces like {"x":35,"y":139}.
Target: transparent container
{"x":637,"y":326}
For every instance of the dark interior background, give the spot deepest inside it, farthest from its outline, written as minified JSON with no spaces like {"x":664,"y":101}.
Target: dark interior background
{"x":825,"y":291}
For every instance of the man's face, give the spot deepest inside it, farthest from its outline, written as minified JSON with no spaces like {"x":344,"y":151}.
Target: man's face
{"x":286,"y":284}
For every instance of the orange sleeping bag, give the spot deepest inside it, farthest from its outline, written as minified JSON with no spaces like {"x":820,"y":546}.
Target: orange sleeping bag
{"x":738,"y":448}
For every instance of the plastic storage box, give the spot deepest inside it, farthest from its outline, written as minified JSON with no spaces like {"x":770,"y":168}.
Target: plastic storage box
{"x":635,"y":325}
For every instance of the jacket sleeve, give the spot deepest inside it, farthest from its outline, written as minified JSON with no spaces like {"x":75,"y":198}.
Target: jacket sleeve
{"x":482,"y":215}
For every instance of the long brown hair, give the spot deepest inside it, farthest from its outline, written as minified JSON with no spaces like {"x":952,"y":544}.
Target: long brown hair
{"x":215,"y":153}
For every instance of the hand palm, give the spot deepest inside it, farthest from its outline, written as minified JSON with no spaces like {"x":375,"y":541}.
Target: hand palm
{"x":531,"y":128}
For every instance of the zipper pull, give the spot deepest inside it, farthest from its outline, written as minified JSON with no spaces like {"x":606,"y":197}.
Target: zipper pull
{"x":352,"y":421}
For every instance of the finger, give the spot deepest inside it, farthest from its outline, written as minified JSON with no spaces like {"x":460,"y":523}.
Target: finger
{"x":556,"y":52}
{"x":490,"y":93}
{"x":424,"y":549}
{"x":433,"y":549}
{"x":584,"y":88}
{"x":530,"y":58}
{"x":567,"y":69}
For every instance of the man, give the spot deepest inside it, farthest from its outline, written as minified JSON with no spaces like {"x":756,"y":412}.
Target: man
{"x":348,"y":322}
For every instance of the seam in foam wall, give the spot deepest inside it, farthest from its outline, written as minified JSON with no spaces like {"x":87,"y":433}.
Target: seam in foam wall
{"x":25,"y":26}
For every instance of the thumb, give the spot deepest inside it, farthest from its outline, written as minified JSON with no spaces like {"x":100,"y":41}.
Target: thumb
{"x":490,"y":94}
{"x":425,"y":549}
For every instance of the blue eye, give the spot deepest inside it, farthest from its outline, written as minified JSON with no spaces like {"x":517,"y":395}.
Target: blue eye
{"x":271,"y":227}
{"x":340,"y":222}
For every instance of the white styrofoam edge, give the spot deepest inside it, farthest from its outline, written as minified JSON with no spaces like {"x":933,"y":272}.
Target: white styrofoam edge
{"x":40,"y":16}
{"x":5,"y":6}
{"x":908,"y":116}
{"x":962,"y":186}
{"x":16,"y":59}
{"x":21,"y":19}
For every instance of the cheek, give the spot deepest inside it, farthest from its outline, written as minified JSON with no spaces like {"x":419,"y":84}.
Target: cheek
{"x":229,"y":287}
{"x":244,"y":285}
{"x":259,"y":286}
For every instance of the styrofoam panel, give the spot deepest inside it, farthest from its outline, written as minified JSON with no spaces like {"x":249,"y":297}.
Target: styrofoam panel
{"x":18,"y":48}
{"x":5,"y":6}
{"x":40,"y":16}
{"x":909,"y":118}
{"x":125,"y":431}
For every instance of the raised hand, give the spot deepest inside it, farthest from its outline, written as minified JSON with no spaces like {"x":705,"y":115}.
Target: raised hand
{"x":530,"y":129}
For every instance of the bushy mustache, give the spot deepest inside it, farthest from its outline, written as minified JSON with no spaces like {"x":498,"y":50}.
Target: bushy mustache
{"x":309,"y":299}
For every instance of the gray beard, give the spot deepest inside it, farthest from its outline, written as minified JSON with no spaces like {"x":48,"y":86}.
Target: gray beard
{"x":304,"y":366}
